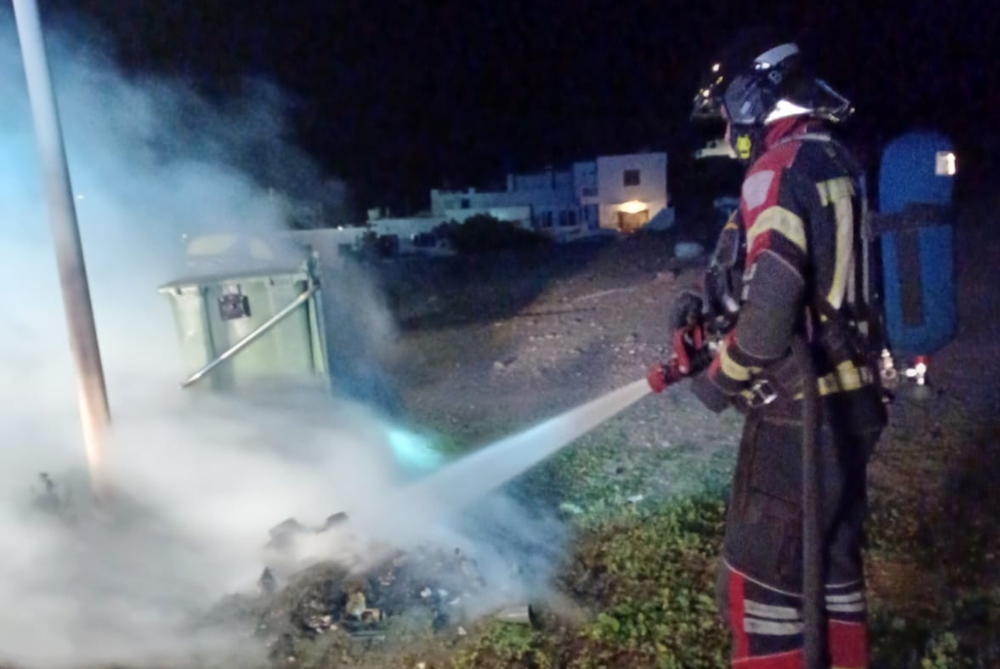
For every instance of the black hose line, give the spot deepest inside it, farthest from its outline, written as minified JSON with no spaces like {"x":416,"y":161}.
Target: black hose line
{"x":813,"y":586}
{"x":701,"y":360}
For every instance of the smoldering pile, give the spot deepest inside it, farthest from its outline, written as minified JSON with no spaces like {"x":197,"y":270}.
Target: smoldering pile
{"x":365,"y":595}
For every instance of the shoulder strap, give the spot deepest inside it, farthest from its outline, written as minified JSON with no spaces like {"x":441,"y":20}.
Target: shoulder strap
{"x":866,"y":336}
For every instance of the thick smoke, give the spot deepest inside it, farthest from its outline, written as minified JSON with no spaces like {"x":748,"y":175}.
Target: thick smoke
{"x":199,"y":479}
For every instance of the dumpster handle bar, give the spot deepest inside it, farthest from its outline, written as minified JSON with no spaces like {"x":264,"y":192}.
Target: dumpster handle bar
{"x":252,"y":337}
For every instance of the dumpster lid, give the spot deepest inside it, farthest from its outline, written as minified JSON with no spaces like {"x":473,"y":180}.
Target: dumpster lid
{"x":256,"y":274}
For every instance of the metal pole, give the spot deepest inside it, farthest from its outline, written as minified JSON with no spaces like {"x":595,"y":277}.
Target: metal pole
{"x":252,"y":337}
{"x":92,"y":393}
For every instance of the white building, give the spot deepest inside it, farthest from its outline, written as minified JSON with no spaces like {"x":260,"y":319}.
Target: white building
{"x":632,"y":192}
{"x":716,"y":148}
{"x":329,"y":243}
{"x":612,"y":193}
{"x":405,"y":228}
{"x":527,"y":196}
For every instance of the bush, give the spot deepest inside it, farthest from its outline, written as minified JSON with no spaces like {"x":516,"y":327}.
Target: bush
{"x":371,"y":246}
{"x":483,"y":233}
{"x":367,"y":245}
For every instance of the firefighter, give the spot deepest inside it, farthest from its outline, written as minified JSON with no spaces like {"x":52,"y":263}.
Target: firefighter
{"x":787,"y":265}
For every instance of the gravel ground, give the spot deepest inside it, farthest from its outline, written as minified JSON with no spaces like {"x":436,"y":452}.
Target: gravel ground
{"x":595,"y":323}
{"x":485,"y":349}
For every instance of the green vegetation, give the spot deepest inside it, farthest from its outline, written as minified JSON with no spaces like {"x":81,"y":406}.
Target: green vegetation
{"x":483,"y":233}
{"x":507,"y":645}
{"x":650,"y":580}
{"x":648,"y":528}
{"x":645,"y":569}
{"x":935,"y":540}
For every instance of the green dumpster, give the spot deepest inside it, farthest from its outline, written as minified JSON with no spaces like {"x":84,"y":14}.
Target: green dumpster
{"x":237,"y":329}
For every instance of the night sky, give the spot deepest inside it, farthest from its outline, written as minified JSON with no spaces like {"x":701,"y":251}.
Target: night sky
{"x":400,"y":96}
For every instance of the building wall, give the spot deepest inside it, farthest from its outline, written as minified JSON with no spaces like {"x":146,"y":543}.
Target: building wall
{"x":633,"y":186}
{"x":552,"y":180}
{"x":585,"y":180}
{"x":405,"y":228}
{"x":444,"y":201}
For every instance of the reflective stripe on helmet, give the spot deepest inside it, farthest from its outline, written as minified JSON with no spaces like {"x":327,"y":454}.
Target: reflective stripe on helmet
{"x":773,"y":57}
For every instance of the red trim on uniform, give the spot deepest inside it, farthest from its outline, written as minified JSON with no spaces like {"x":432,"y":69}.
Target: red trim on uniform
{"x":779,"y":158}
{"x":776,"y":159}
{"x":761,"y":244}
{"x":848,"y":645}
{"x":737,"y":614}
{"x":787,"y":126}
{"x":790,"y":660}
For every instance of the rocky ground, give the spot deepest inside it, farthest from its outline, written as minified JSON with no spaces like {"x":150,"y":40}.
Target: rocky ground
{"x":505,"y":346}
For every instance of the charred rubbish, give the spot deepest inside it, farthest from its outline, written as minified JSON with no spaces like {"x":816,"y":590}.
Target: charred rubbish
{"x":417,"y":594}
{"x":442,"y":589}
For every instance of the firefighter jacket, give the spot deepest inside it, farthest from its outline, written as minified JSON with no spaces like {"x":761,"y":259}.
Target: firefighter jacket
{"x":797,"y":270}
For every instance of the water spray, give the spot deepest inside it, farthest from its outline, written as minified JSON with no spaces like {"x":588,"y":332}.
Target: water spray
{"x":405,"y":515}
{"x":463,"y":482}
{"x":471,"y":477}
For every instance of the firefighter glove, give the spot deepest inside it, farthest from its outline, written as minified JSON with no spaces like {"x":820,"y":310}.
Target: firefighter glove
{"x":685,"y":311}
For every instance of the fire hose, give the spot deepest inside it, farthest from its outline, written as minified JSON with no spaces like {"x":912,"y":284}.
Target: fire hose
{"x":813,"y":592}
{"x":691,"y":356}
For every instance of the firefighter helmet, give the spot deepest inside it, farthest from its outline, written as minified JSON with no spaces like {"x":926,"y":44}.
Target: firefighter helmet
{"x":759,"y":80}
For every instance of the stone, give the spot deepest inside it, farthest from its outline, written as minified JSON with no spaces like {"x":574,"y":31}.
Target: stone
{"x":665,"y":277}
{"x":688,"y":250}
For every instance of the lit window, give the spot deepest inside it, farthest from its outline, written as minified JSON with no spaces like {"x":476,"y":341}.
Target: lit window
{"x":945,"y":165}
{"x":631,"y":177}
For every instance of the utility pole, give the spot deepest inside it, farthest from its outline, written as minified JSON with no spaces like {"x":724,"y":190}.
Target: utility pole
{"x":92,"y":393}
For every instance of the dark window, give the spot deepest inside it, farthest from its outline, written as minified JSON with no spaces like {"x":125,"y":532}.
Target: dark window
{"x":465,"y":203}
{"x":631,"y":177}
{"x":567,"y":218}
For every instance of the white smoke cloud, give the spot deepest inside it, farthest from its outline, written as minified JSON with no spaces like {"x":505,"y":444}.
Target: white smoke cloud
{"x":199,"y":479}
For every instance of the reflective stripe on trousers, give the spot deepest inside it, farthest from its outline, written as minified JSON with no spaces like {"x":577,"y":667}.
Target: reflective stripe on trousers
{"x":766,"y":624}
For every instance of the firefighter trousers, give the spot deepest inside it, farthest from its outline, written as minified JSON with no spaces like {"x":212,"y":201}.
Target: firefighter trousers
{"x":761,"y":574}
